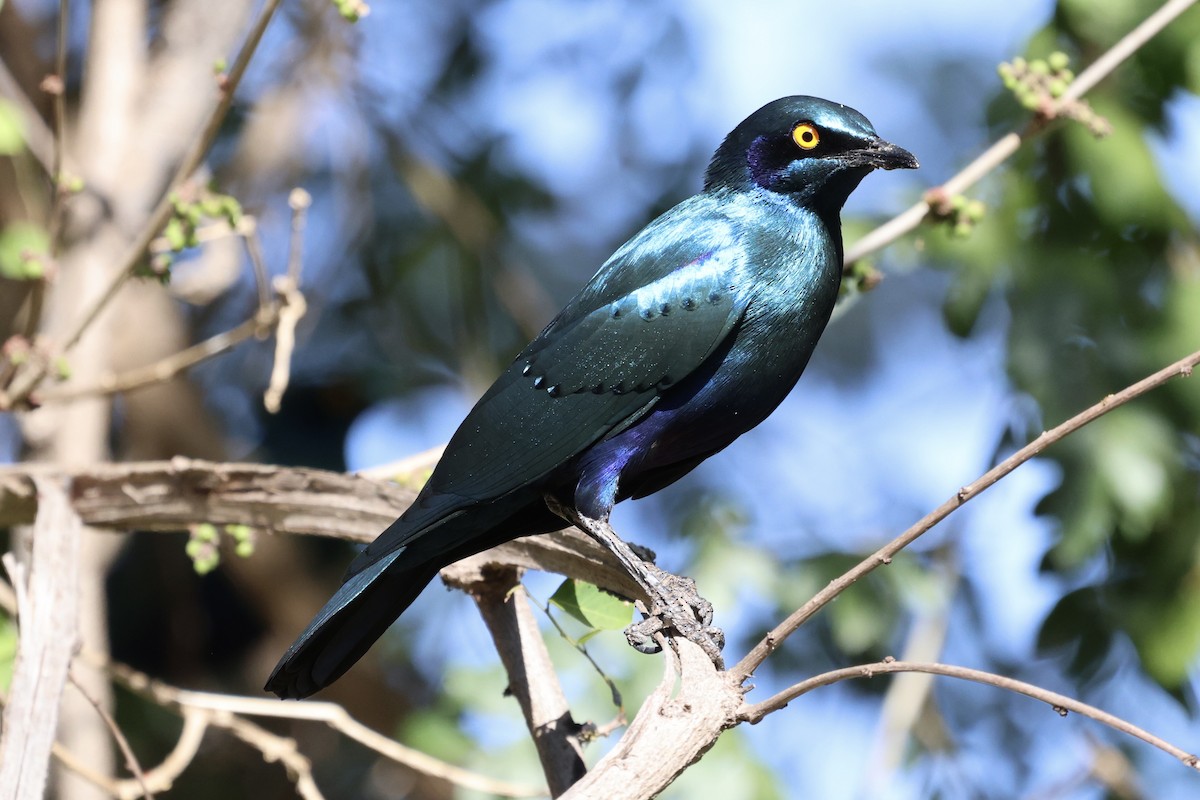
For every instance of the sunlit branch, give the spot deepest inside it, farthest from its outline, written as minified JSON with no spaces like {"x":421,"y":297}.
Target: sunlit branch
{"x":1062,"y":704}
{"x":1008,"y":144}
{"x":884,"y":555}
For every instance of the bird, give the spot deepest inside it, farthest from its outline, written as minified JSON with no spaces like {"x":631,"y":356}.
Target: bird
{"x":688,"y":336}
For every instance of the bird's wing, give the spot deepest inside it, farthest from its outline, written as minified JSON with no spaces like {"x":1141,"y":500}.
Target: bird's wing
{"x":594,"y":371}
{"x":652,"y":314}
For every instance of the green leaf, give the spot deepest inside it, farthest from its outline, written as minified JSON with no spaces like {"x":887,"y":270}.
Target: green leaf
{"x":12,"y":128}
{"x":592,"y":606}
{"x":20,"y":244}
{"x":8,"y":650}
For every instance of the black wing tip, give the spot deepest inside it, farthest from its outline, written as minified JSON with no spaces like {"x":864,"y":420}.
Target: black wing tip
{"x":288,"y":681}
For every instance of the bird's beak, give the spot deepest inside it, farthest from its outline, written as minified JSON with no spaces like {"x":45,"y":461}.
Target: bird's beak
{"x":883,"y":155}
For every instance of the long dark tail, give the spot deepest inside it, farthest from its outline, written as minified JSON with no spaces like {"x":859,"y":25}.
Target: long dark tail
{"x":349,"y":624}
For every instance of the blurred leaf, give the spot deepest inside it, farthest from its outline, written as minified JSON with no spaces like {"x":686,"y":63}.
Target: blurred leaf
{"x":1170,"y":639}
{"x":22,"y":245}
{"x":592,"y":606}
{"x":1071,"y":627}
{"x":12,"y":128}
{"x":8,"y":650}
{"x":438,"y":735}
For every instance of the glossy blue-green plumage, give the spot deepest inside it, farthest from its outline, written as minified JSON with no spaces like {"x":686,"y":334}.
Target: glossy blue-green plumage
{"x":687,"y":337}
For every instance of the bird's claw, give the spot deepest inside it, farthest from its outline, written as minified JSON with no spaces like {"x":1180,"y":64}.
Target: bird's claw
{"x":678,"y":609}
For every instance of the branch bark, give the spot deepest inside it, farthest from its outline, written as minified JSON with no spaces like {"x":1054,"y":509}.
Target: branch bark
{"x":532,"y":680}
{"x":1059,"y":702}
{"x":47,"y":612}
{"x":883,"y":556}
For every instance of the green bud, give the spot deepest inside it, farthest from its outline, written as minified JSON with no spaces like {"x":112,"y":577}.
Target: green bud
{"x":31,"y":266}
{"x":205,"y":532}
{"x":1066,"y":76}
{"x":962,"y":230}
{"x":212,"y":206}
{"x":1019,"y":64}
{"x":174,"y":234}
{"x":1057,"y":87}
{"x":219,"y":66}
{"x":203,"y":566}
{"x":244,"y":549}
{"x":231,"y":209}
{"x":975,"y":210}
{"x":238,"y":532}
{"x":62,"y":367}
{"x":1039,"y":67}
{"x":1058,"y":60}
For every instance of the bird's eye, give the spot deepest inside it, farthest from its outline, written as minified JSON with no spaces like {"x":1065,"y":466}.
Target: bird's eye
{"x":806,"y":136}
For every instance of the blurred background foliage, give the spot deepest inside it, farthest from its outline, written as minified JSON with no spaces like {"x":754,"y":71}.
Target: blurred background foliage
{"x":472,"y":163}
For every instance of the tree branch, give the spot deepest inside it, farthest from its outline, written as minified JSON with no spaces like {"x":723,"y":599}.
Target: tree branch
{"x":1006,"y":146}
{"x":31,"y":379}
{"x":505,"y":608}
{"x":744,"y":668}
{"x":753,"y":713}
{"x":47,"y":610}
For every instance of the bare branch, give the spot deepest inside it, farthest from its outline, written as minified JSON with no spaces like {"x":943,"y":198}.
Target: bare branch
{"x":744,"y":668}
{"x":675,"y":726}
{"x":1007,"y":145}
{"x":505,"y":608}
{"x":292,"y":309}
{"x":169,"y":495}
{"x":299,"y":200}
{"x":30,"y":379}
{"x":753,"y":713}
{"x":47,"y":615}
{"x":131,"y":759}
{"x":169,"y":367}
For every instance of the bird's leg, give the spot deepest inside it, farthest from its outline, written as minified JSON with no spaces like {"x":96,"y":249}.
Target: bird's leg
{"x":674,"y":604}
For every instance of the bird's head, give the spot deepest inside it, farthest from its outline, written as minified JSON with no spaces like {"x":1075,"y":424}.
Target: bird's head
{"x":808,"y":148}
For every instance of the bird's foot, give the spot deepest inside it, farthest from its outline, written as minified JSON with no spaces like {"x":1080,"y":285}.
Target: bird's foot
{"x":675,"y":607}
{"x":680,"y":610}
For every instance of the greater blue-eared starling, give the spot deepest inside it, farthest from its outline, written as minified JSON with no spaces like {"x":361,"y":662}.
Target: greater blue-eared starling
{"x":686,"y":338}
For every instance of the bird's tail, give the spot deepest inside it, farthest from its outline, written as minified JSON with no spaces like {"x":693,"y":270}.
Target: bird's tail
{"x":349,"y":624}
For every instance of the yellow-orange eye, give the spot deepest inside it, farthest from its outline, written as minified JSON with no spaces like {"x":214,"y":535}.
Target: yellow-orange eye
{"x":806,"y":136}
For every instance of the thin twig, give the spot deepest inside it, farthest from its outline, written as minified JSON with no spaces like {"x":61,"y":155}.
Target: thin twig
{"x":57,"y":177}
{"x":744,"y":668}
{"x":169,"y":367}
{"x":225,"y":706}
{"x":299,"y":200}
{"x":39,"y":139}
{"x":201,"y":709}
{"x":291,"y":310}
{"x":1007,"y":145}
{"x":131,"y":759}
{"x":753,"y":713}
{"x":35,"y":373}
{"x":614,"y":692}
{"x":248,"y":230}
